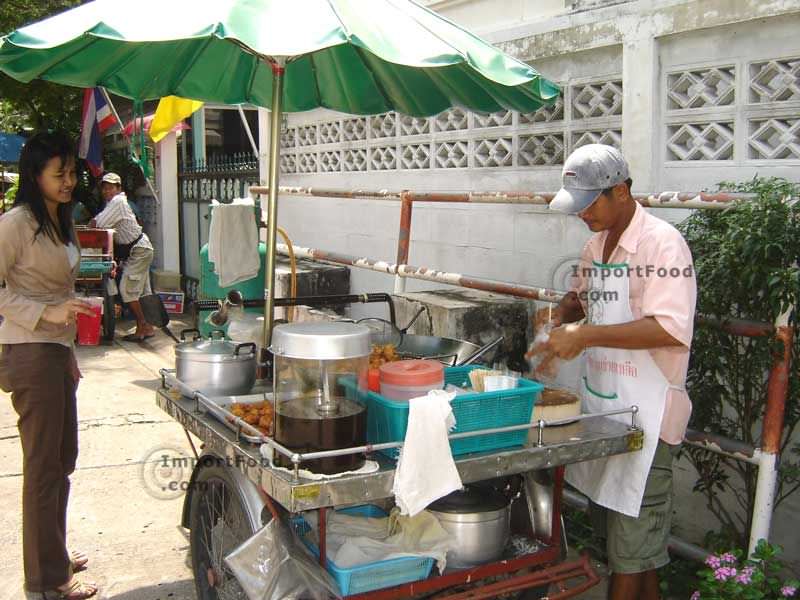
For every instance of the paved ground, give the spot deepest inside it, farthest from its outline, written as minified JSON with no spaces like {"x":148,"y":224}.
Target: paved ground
{"x":138,"y":550}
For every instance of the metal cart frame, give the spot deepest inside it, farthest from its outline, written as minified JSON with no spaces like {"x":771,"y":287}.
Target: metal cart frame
{"x":551,"y":448}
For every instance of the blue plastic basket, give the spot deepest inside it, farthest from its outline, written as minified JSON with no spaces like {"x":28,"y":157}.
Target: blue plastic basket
{"x":387,"y":420}
{"x":95,"y":267}
{"x":372,"y":576}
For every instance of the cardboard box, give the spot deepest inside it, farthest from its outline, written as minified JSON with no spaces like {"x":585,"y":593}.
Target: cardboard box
{"x":173,"y":301}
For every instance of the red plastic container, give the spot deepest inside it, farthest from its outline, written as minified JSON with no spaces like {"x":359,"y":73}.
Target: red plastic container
{"x":89,"y":327}
{"x":405,"y":379}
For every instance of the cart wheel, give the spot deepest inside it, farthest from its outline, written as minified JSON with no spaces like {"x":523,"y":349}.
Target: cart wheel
{"x":218,"y":524}
{"x":109,"y":316}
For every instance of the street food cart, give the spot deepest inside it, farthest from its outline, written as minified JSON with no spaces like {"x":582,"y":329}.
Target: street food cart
{"x":234,"y":491}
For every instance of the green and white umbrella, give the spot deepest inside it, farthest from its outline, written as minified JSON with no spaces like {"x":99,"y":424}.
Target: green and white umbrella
{"x":353,"y":56}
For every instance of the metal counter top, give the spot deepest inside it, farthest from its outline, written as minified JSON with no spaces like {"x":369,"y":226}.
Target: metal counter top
{"x":577,"y":442}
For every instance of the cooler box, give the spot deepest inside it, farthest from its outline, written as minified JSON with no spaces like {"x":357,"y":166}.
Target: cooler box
{"x":252,"y":289}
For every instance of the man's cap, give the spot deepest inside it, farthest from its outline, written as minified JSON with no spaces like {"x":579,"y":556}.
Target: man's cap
{"x":112,"y":178}
{"x":587,"y":172}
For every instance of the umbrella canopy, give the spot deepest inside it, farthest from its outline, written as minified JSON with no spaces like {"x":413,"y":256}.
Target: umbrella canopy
{"x":10,"y":147}
{"x":354,"y":56}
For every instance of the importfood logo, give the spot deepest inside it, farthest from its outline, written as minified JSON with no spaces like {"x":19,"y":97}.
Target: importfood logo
{"x":165,"y":472}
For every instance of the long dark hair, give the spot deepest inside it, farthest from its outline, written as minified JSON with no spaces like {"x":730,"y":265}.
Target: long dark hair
{"x":36,"y":152}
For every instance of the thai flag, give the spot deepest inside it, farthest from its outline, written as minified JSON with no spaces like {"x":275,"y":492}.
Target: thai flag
{"x":97,"y":118}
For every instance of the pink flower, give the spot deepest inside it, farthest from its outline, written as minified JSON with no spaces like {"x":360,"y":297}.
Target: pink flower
{"x":728,"y":558}
{"x":714,"y":562}
{"x":722,"y":574}
{"x":788,"y":591}
{"x":695,"y":596}
{"x":746,"y":576}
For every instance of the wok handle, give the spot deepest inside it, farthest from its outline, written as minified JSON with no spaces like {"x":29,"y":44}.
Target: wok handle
{"x":185,"y":331}
{"x":239,"y":347}
{"x":481,"y":351}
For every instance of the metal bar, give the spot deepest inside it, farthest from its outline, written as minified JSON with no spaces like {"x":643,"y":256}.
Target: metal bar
{"x":740,"y":327}
{"x":322,"y":518}
{"x":557,"y":574}
{"x":772,"y":434}
{"x":719,"y":444}
{"x":466,"y":434}
{"x":777,"y":390}
{"x":272,"y":203}
{"x":701,"y":200}
{"x":191,"y":443}
{"x":403,"y":239}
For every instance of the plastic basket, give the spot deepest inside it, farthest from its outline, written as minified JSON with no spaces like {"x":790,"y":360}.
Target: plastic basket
{"x":387,"y":420}
{"x":95,"y":267}
{"x":372,"y":576}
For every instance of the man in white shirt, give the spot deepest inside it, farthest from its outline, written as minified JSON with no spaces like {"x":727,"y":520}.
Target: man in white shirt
{"x":132,"y":246}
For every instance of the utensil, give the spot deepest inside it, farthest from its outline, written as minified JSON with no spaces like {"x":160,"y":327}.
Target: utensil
{"x":480,"y":352}
{"x":215,"y":367}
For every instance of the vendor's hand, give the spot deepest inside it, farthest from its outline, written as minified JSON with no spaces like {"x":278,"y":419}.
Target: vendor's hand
{"x":66,"y":313}
{"x":546,"y":316}
{"x":74,"y":370}
{"x":567,"y":342}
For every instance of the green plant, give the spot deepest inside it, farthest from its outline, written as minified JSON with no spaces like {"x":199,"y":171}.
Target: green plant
{"x":746,"y":261}
{"x":728,"y":577}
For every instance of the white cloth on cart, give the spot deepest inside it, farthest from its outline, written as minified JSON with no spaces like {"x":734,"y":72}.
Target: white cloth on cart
{"x":353,"y":541}
{"x":233,"y":241}
{"x":426,"y":470}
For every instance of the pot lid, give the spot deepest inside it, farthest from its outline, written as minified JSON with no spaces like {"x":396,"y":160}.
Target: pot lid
{"x":321,"y":341}
{"x":214,"y":349}
{"x":471,"y":500}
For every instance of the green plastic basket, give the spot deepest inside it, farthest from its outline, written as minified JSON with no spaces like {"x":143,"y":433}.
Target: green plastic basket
{"x":387,"y":420}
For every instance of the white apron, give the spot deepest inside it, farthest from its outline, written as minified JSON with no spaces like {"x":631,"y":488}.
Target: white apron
{"x":613,"y":379}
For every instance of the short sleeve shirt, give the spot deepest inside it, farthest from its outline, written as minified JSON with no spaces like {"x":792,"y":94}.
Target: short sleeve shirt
{"x":662,"y":286}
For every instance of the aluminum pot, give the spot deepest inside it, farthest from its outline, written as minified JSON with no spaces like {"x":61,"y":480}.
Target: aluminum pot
{"x":215,"y":367}
{"x":479,"y":521}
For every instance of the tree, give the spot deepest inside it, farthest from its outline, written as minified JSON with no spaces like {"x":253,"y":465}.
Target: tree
{"x":38,"y":104}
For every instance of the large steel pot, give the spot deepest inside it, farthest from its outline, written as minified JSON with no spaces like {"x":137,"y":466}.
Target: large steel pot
{"x":479,"y":521}
{"x":215,"y":367}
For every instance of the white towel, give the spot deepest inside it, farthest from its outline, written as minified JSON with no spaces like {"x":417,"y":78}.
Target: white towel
{"x":426,"y":470}
{"x":233,"y":241}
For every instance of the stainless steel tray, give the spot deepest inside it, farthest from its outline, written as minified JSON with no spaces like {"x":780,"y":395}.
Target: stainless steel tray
{"x":220,"y":409}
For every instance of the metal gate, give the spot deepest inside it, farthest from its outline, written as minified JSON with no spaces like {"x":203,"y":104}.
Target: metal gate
{"x":221,"y":178}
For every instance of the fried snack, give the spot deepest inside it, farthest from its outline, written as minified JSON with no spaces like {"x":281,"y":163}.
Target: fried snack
{"x":257,"y":414}
{"x":382,"y":354}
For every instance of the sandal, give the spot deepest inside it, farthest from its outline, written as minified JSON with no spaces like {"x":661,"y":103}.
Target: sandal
{"x":132,"y":337}
{"x":74,"y":590}
{"x":78,"y":560}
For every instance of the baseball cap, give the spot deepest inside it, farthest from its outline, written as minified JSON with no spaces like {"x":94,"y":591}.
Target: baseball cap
{"x":587,"y":172}
{"x":112,"y":178}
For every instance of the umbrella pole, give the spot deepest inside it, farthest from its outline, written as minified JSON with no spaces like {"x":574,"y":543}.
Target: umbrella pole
{"x":272,"y":204}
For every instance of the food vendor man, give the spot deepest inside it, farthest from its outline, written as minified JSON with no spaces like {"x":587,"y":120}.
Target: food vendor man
{"x":635,"y":286}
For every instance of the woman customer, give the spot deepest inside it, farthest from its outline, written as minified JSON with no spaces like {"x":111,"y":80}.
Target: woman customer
{"x":39,"y":261}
